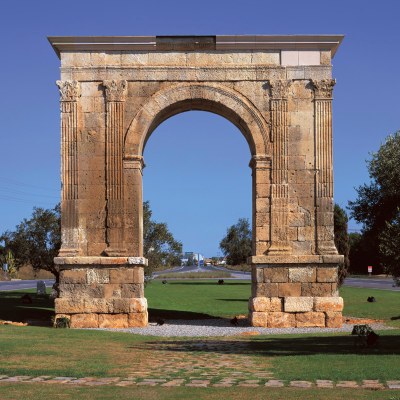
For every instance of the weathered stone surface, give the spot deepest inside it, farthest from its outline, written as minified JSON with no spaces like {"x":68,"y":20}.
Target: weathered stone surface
{"x":327,"y":275}
{"x":300,"y":274}
{"x":97,"y":276}
{"x":138,"y":305}
{"x":276,"y":274}
{"x":333,"y":319}
{"x":298,"y":304}
{"x":276,"y":304}
{"x":259,"y":319}
{"x":260,"y":304}
{"x":310,"y":319}
{"x":84,"y":321}
{"x":121,"y":275}
{"x":138,"y":319}
{"x":73,"y":276}
{"x":317,"y":289}
{"x":69,"y":306}
{"x":328,"y":304}
{"x":113,"y":320}
{"x":281,"y":320}
{"x":289,"y":290}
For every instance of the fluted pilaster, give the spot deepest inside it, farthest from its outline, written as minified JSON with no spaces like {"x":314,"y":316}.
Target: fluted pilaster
{"x":279,"y":186}
{"x":115,"y":92}
{"x":324,"y":166}
{"x":69,"y":96}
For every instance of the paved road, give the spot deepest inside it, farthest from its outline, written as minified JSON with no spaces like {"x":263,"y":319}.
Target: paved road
{"x":206,"y":268}
{"x":372,"y":283}
{"x":18,"y":285}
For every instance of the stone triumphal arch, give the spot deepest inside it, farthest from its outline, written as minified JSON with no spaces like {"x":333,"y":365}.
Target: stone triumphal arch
{"x":276,"y":89}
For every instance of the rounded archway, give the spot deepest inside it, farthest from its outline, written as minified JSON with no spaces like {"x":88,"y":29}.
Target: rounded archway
{"x":214,"y":98}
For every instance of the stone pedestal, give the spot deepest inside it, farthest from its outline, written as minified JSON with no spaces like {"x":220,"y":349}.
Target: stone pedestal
{"x":300,"y":292}
{"x":102,"y":292}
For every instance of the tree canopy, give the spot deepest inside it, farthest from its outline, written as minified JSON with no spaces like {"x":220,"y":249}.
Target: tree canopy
{"x":159,"y":245}
{"x":377,"y":205}
{"x":341,"y":240}
{"x":35,"y":241}
{"x":236,"y":245}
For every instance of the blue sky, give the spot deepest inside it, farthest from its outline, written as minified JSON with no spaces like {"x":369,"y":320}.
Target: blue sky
{"x":206,"y":185}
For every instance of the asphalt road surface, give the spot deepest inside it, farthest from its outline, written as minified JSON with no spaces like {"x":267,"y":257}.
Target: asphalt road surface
{"x":372,"y":283}
{"x":18,"y":285}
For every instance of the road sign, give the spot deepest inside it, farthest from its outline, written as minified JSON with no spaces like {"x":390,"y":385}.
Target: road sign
{"x":369,"y":269}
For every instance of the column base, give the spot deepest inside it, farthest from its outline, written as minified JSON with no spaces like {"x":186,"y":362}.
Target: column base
{"x":296,"y":312}
{"x":290,"y":294}
{"x":102,"y":292}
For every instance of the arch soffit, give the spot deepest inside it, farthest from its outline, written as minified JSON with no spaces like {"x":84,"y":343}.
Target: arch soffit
{"x":215,"y":98}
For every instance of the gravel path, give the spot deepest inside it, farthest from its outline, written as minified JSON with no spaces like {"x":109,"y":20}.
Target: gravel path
{"x":223,"y":327}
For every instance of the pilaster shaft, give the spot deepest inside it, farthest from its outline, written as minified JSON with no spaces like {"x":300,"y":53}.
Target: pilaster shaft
{"x":133,"y":172}
{"x":261,"y":175}
{"x":279,"y":186}
{"x":324,"y":166}
{"x":70,"y":93}
{"x":115,"y":99}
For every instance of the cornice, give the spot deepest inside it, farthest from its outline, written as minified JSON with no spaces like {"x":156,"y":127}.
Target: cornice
{"x":195,"y":43}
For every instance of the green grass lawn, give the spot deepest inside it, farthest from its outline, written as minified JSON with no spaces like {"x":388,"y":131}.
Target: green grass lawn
{"x":46,"y":351}
{"x":40,"y":391}
{"x":37,"y":391}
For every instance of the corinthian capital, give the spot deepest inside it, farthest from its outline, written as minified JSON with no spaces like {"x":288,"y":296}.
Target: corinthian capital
{"x":280,"y":88}
{"x":323,"y":89}
{"x":69,"y":90}
{"x":115,"y":90}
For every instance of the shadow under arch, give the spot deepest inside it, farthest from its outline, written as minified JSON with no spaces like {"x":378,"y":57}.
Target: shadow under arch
{"x":214,"y":98}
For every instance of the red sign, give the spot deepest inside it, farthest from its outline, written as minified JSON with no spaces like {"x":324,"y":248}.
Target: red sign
{"x":369,"y":269}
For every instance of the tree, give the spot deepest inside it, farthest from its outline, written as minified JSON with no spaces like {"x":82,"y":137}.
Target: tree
{"x":236,"y":245}
{"x":376,"y":206}
{"x":390,"y":247}
{"x":36,"y":241}
{"x":341,"y":240}
{"x":159,"y":245}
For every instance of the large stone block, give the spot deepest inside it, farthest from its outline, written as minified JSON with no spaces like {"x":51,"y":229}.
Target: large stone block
{"x":121,"y":275}
{"x":112,"y":290}
{"x":327,"y":274}
{"x":289,"y":290}
{"x":132,"y":290}
{"x":138,"y":305}
{"x":259,"y":304}
{"x":69,"y":306}
{"x":317,"y":289}
{"x":298,"y":304}
{"x":258,"y":319}
{"x":276,"y":274}
{"x":302,"y":274}
{"x":73,"y":276}
{"x":97,"y":276}
{"x":113,"y":320}
{"x":138,"y":319}
{"x":310,"y":319}
{"x":98,"y":306}
{"x":281,"y":320}
{"x":328,"y":304}
{"x":334,"y":319}
{"x":276,"y":304}
{"x":84,"y":321}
